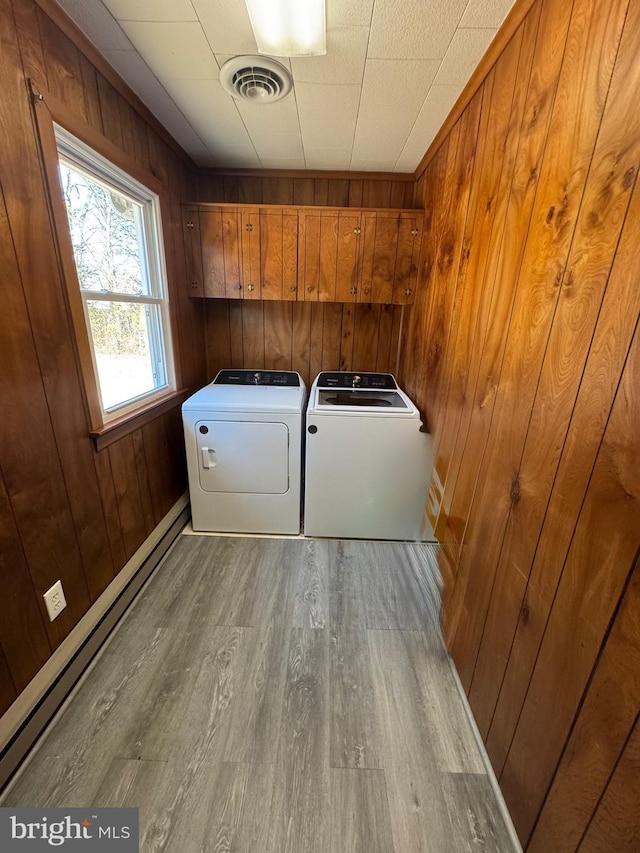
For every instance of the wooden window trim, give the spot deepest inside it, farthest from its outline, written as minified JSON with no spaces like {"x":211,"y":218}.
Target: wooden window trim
{"x":47,"y":110}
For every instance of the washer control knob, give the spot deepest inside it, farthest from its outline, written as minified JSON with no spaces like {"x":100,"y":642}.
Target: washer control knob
{"x":357,"y":379}
{"x":257,"y":377}
{"x":313,"y":429}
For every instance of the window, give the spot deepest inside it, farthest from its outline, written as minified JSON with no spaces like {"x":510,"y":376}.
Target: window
{"x":114,"y":223}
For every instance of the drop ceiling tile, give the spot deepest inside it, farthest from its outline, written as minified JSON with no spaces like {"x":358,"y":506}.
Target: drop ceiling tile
{"x":287,"y":146}
{"x":282,"y":163}
{"x":383,"y":140}
{"x":226,"y":25}
{"x":152,"y":10}
{"x":465,"y":51}
{"x":177,"y":50}
{"x":436,"y":108}
{"x":327,"y":158}
{"x":486,"y":13}
{"x":349,"y":13}
{"x":343,"y":62}
{"x":412,"y":29}
{"x":210,"y":110}
{"x":279,"y":116}
{"x":132,"y":67}
{"x":95,"y":20}
{"x":358,"y":165}
{"x":388,"y":82}
{"x":327,"y":114}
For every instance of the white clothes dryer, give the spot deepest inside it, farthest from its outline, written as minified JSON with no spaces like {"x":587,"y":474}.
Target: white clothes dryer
{"x":243,"y":437}
{"x":368,"y":464}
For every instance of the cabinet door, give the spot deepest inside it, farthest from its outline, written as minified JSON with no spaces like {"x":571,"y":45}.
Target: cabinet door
{"x":278,"y":254}
{"x":193,"y":251}
{"x":250,"y":238}
{"x":212,"y":252}
{"x":380,"y":232}
{"x":308,"y":255}
{"x":231,"y":253}
{"x":348,"y":257}
{"x":406,"y":275}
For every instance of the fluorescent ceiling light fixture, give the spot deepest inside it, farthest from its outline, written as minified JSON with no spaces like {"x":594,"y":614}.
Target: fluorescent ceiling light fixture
{"x":289,"y":27}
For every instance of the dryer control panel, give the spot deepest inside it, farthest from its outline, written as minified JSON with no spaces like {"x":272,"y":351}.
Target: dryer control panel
{"x":370,"y":381}
{"x":279,"y":378}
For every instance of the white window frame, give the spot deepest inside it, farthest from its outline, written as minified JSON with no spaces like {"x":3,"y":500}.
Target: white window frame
{"x":83,"y":158}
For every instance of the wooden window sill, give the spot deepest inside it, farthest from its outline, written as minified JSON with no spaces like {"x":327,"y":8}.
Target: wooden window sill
{"x":117,"y":429}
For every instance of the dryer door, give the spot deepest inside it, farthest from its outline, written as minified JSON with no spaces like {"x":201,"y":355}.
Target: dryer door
{"x":243,"y":456}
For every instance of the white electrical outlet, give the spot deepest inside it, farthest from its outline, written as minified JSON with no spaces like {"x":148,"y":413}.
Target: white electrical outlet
{"x":55,"y":601}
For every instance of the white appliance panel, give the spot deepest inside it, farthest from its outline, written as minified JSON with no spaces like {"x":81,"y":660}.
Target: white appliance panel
{"x":243,"y":456}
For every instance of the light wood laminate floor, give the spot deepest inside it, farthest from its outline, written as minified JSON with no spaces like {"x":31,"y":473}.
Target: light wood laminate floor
{"x":277,"y":696}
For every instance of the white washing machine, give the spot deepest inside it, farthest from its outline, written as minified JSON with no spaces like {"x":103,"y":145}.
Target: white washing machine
{"x":243,"y":436}
{"x":368,"y":464}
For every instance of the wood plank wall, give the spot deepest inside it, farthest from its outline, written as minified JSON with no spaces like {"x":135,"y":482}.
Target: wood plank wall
{"x":524,"y":352}
{"x":307,"y":337}
{"x":67,"y":512}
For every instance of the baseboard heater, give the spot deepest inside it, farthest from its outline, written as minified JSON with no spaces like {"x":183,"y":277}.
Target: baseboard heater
{"x":34,"y":709}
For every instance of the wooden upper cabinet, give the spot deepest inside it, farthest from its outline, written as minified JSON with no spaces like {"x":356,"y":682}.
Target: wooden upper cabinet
{"x":303,"y":253}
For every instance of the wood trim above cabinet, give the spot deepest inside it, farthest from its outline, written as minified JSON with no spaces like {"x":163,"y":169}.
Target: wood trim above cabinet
{"x":303,"y":252}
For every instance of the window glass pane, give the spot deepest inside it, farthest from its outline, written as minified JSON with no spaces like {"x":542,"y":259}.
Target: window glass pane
{"x":107,"y":233}
{"x":127,"y":343}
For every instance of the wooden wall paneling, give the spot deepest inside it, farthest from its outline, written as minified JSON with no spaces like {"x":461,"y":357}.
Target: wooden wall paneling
{"x":376,"y":193}
{"x":236,"y":335}
{"x":321,"y":191}
{"x":384,"y":360}
{"x":559,"y":193}
{"x":397,"y":194}
{"x":303,"y":191}
{"x":612,"y":338}
{"x":210,"y":187}
{"x":278,"y":328}
{"x":230,"y":189}
{"x":301,"y":340}
{"x":356,"y":189}
{"x":365,"y":337}
{"x":29,"y":42}
{"x":411,"y":196}
{"x":483,"y":293}
{"x":277,"y":190}
{"x":603,"y":550}
{"x":396,"y":338}
{"x":110,"y":508}
{"x":602,"y":728}
{"x":64,"y":73}
{"x":146,"y":507}
{"x":217,"y":336}
{"x":249,"y":190}
{"x":337,"y":331}
{"x":337,"y":192}
{"x":316,"y":334}
{"x":166,"y":461}
{"x":125,"y":478}
{"x":616,"y":822}
{"x":91,"y":94}
{"x":110,"y":112}
{"x":253,"y":334}
{"x":141,"y":147}
{"x":126,"y":123}
{"x":7,"y":689}
{"x":346,"y":340}
{"x":602,"y":214}
{"x":22,"y":629}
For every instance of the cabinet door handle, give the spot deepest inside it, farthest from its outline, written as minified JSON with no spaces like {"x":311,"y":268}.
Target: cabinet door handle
{"x":249,"y":226}
{"x":189,"y":224}
{"x":194,"y":285}
{"x":238,"y":287}
{"x":251,"y":287}
{"x":293,"y":287}
{"x":414,"y":232}
{"x":353,"y":291}
{"x":357,"y":230}
{"x":366,"y":290}
{"x":309,"y":289}
{"x":408,"y":292}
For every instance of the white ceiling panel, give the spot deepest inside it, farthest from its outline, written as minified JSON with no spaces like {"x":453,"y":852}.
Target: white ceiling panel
{"x":434,"y":111}
{"x":465,"y":51}
{"x":413,"y":29}
{"x":328,"y":114}
{"x":174,"y":50}
{"x":397,"y":81}
{"x":98,"y":23}
{"x":376,"y":141}
{"x":485,"y":13}
{"x":343,"y":62}
{"x":152,"y":10}
{"x":392,"y":71}
{"x":227,"y":26}
{"x":327,"y":158}
{"x":349,"y":13}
